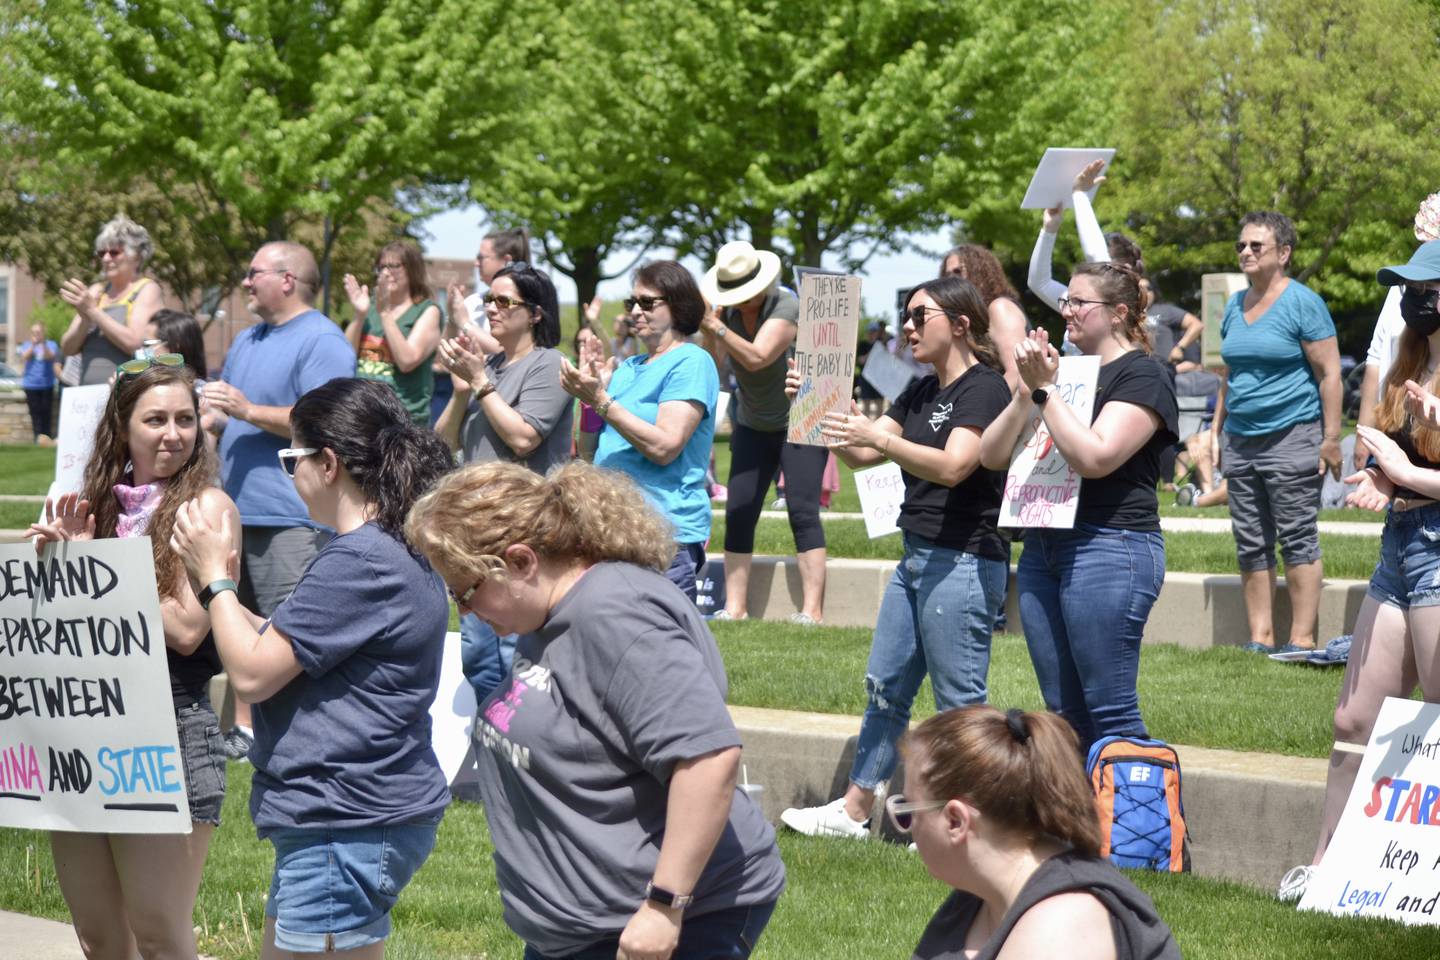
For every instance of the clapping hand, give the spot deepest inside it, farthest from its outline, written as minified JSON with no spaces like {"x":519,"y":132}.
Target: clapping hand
{"x":465,"y":361}
{"x":1037,"y":361}
{"x":852,"y":429}
{"x":592,"y":310}
{"x":78,"y":294}
{"x":1423,"y":405}
{"x":1373,"y":490}
{"x":587,"y":381}
{"x":69,"y":518}
{"x":359,"y":295}
{"x":207,"y":551}
{"x":1388,"y":455}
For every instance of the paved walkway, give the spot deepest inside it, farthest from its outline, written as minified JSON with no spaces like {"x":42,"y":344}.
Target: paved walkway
{"x":1344,"y":528}
{"x":30,"y":938}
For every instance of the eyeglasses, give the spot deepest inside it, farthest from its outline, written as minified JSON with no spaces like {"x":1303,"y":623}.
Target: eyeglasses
{"x":502,"y":301}
{"x":139,"y":365}
{"x":114,"y":253}
{"x":463,"y":599}
{"x":382,"y":267}
{"x":916,"y":315}
{"x":902,"y":813}
{"x":1077,"y":304}
{"x":1255,"y":246}
{"x":646,"y":304}
{"x":254,"y":272}
{"x":290,"y":458}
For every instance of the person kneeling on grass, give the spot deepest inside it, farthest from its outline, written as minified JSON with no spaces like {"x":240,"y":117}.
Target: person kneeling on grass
{"x":346,"y":784}
{"x":1000,"y":809}
{"x":940,"y":605}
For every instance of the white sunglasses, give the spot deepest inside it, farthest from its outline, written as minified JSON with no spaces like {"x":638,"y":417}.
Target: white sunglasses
{"x":290,"y":456}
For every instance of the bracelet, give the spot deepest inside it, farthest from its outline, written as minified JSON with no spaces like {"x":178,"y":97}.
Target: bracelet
{"x":888,"y":438}
{"x":485,"y":391}
{"x":603,"y":407}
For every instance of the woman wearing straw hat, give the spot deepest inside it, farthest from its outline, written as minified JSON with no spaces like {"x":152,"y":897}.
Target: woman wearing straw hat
{"x":754,"y":326}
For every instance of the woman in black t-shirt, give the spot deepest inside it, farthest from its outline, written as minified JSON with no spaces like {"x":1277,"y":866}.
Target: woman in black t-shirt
{"x":1086,"y":592}
{"x":940,"y":605}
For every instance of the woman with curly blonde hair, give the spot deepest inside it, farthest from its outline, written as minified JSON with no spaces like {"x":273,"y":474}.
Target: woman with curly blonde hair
{"x":608,"y":757}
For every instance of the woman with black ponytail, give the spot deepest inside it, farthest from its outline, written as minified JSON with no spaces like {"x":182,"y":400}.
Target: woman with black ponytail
{"x":346,"y":785}
{"x":1000,"y":809}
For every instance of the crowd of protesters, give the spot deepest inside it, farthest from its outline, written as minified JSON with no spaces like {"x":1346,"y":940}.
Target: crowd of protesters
{"x":422,"y":456}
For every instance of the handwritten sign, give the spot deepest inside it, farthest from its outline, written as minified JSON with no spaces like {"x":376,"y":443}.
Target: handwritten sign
{"x":1041,"y":489}
{"x":882,"y":490}
{"x":824,"y":352}
{"x":87,"y":725}
{"x":81,"y":409}
{"x":1384,"y":860}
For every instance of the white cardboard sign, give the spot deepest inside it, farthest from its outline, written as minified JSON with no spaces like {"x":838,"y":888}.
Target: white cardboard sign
{"x":1054,"y":180}
{"x":1041,"y":489}
{"x":1384,"y":860}
{"x":81,"y":409}
{"x":452,"y":715}
{"x":87,"y":724}
{"x":882,"y":490}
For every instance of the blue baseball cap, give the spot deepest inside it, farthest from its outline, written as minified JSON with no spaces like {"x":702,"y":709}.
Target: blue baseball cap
{"x":1423,"y":265}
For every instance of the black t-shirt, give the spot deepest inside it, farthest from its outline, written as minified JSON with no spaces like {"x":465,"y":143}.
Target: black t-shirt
{"x":961,"y":517}
{"x":1126,"y":498}
{"x":1407,"y":446}
{"x":1172,"y":318}
{"x":190,"y":675}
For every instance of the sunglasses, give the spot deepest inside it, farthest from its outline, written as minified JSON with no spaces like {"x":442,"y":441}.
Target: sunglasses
{"x":139,"y":365}
{"x":916,"y":315}
{"x":646,"y":304}
{"x":115,"y":253}
{"x":902,"y":812}
{"x":1077,"y":304}
{"x":290,"y":457}
{"x":502,"y":301}
{"x":1255,"y":246}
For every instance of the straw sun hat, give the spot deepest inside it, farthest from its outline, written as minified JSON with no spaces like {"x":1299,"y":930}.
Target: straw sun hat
{"x":740,"y":272}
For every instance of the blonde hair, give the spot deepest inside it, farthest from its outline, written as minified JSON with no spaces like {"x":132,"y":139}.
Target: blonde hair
{"x":579,"y":511}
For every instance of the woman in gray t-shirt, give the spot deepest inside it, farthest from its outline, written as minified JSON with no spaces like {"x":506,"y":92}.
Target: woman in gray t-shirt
{"x":608,"y":758}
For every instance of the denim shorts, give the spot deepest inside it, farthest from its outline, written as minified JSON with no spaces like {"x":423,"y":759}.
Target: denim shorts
{"x":1408,"y":574}
{"x":333,"y":889}
{"x":202,"y":750}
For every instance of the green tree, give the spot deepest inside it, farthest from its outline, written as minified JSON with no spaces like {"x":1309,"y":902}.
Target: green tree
{"x":1321,"y":109}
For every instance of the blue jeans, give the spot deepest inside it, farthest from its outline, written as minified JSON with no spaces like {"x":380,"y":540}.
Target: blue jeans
{"x":937,"y":613}
{"x":484,"y":655}
{"x":1085,"y":595}
{"x":1408,"y":572}
{"x":723,"y":935}
{"x":685,"y":566}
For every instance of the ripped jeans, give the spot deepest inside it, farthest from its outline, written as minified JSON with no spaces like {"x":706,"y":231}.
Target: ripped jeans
{"x":936,"y":615}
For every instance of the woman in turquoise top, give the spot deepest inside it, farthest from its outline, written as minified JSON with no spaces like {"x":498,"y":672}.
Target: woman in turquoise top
{"x":659,"y":408}
{"x":396,"y":333}
{"x":1277,"y":427}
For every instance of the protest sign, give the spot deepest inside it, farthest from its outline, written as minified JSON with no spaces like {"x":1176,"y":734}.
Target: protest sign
{"x":824,"y":352}
{"x":81,"y":409}
{"x":882,"y":490}
{"x":1053,"y":183}
{"x":887,"y":373}
{"x":1384,"y":860}
{"x":1041,"y":489}
{"x":87,"y":725}
{"x":452,"y":714}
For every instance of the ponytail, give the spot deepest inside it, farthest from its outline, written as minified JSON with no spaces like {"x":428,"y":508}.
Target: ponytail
{"x":1022,"y":770}
{"x":389,"y":458}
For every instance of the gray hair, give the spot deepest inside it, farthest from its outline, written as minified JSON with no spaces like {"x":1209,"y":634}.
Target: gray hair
{"x":127,"y":233}
{"x":1279,"y":225}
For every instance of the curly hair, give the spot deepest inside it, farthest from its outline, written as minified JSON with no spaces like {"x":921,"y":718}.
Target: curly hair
{"x":982,"y":268}
{"x":128,"y":234}
{"x":1119,"y":285}
{"x":578,"y":511}
{"x":1022,"y":770}
{"x":111,"y":456}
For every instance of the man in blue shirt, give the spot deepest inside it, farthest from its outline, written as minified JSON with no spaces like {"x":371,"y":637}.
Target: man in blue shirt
{"x":294,"y":349}
{"x":38,"y":356}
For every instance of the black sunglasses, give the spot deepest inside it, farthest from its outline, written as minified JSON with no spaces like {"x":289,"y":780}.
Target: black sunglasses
{"x":646,"y":304}
{"x":916,"y":316}
{"x":1255,"y":246}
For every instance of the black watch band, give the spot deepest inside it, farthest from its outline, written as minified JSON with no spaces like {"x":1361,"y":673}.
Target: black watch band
{"x":1040,"y":396}
{"x":214,"y":589}
{"x":665,"y":898}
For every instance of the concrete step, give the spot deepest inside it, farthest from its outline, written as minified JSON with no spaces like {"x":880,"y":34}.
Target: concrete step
{"x":1344,"y":528}
{"x":1252,"y":816}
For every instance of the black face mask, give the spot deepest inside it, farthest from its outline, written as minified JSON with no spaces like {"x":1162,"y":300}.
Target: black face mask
{"x":1421,"y":310}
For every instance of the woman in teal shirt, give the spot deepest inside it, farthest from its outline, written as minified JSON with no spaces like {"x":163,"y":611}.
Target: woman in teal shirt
{"x":395,"y":333}
{"x":1277,"y":427}
{"x":659,"y":408}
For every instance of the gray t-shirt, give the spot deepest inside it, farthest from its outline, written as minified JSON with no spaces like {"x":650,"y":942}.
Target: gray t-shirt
{"x":347,"y":742}
{"x":576,"y":749}
{"x":1172,"y":318}
{"x":532,"y":386}
{"x":762,"y":404}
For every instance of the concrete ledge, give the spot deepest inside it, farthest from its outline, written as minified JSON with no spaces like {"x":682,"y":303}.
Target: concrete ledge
{"x":1197,"y":610}
{"x":1252,"y":816}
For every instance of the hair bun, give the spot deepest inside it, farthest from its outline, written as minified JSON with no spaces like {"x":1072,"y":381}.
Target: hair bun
{"x":1015,"y":720}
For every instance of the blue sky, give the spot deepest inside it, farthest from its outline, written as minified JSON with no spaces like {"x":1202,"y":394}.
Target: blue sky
{"x":457,"y":233}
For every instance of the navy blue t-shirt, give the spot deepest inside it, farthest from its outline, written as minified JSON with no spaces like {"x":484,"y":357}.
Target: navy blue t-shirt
{"x":347,"y":743}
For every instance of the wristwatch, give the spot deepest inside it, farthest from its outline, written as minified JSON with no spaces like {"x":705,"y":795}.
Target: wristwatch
{"x":603,"y":407}
{"x":485,"y":391}
{"x":722,"y":331}
{"x":1040,"y":395}
{"x":667,"y":899}
{"x":213,"y":590}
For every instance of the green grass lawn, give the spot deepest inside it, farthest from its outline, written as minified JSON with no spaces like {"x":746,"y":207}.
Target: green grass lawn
{"x":26,"y":469}
{"x":1222,"y":697}
{"x":844,"y":899}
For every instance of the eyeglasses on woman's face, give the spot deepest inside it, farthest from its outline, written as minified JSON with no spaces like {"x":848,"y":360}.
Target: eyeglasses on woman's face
{"x":902,"y":812}
{"x":290,"y":457}
{"x":1075,"y":305}
{"x":390,"y":266}
{"x":502,"y":301}
{"x":646,"y":304}
{"x":462,"y":600}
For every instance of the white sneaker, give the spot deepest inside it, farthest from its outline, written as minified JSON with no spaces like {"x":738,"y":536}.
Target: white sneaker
{"x":1293,"y":884}
{"x":831,"y":820}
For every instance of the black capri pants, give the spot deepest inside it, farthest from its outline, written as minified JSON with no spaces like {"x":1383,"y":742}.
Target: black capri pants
{"x":754,"y":455}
